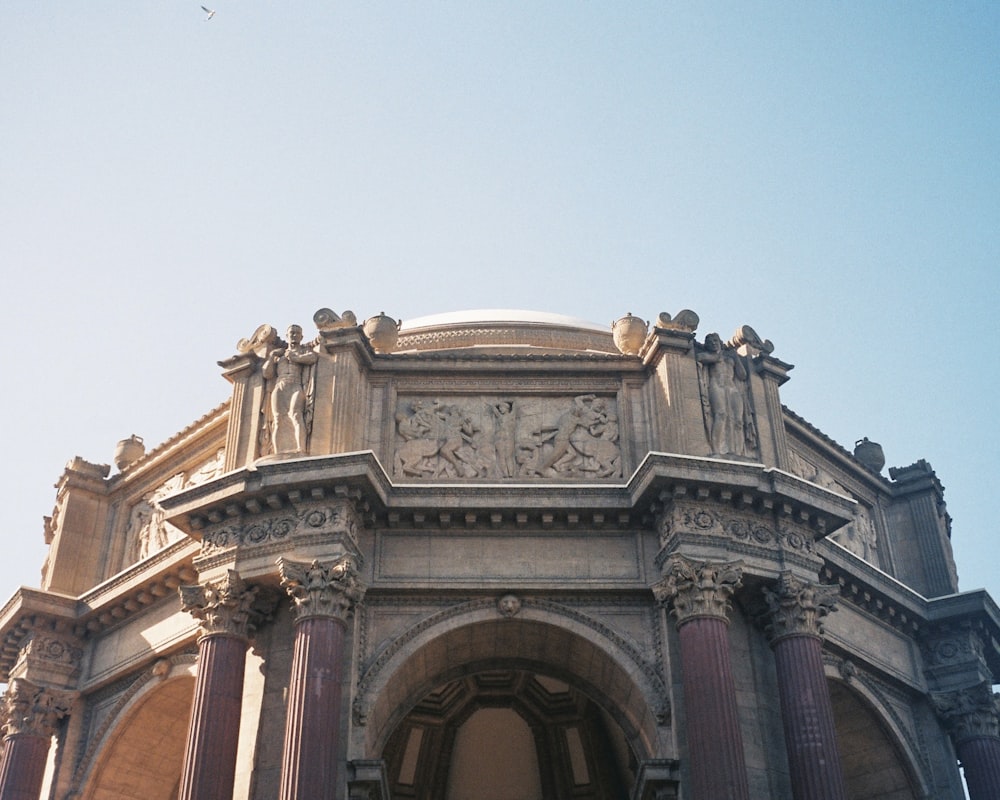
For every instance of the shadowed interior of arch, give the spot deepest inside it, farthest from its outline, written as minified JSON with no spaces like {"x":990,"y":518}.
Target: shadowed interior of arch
{"x":505,"y":733}
{"x":146,"y":751}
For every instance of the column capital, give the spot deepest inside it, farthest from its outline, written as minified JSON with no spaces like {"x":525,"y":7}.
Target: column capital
{"x":319,"y":589}
{"x":796,"y":607}
{"x":224,"y":606}
{"x":694,"y":589}
{"x":969,"y":713}
{"x":27,"y":708}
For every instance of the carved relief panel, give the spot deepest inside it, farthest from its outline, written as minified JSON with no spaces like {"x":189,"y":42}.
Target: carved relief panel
{"x":498,"y":437}
{"x":147,"y":532}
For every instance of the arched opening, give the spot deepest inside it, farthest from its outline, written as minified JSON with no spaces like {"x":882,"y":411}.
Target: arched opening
{"x":500,"y":734}
{"x":874,"y":766}
{"x":502,"y":708}
{"x":144,"y":755}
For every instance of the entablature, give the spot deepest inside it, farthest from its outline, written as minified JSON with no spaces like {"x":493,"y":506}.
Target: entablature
{"x":116,"y":600}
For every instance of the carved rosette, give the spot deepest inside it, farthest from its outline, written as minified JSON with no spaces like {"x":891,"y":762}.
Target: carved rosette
{"x":338,"y":519}
{"x":796,"y":608}
{"x":746,"y":531}
{"x":27,"y":708}
{"x":52,"y":652}
{"x":225,"y":607}
{"x":322,"y":590}
{"x":694,"y":589}
{"x":969,"y":713}
{"x":953,"y":649}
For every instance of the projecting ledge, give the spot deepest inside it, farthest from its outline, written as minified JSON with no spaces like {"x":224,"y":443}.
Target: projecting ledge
{"x":665,"y":477}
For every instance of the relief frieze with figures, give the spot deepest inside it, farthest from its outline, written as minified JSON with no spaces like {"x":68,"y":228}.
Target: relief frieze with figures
{"x":503,"y":437}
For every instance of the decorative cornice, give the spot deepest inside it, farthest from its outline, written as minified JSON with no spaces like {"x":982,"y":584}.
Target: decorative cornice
{"x":796,"y":608}
{"x":969,"y":713}
{"x":329,"y":519}
{"x":33,"y":710}
{"x":322,"y":590}
{"x":224,"y":607}
{"x":746,"y":531}
{"x":698,"y":589}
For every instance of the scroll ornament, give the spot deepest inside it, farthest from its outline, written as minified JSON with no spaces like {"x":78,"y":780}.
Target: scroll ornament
{"x":27,"y":708}
{"x":225,"y":606}
{"x":696,"y":589}
{"x":322,"y":590}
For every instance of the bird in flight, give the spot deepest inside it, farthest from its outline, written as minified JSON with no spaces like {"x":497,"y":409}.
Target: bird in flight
{"x":209,"y":11}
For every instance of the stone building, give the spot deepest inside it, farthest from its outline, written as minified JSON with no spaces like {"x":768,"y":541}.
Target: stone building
{"x":500,"y":556}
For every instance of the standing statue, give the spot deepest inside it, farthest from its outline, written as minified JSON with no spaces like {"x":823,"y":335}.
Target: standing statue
{"x":505,"y":439}
{"x":725,"y":394}
{"x":289,"y":408}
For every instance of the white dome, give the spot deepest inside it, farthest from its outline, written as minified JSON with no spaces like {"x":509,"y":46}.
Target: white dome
{"x":499,"y":315}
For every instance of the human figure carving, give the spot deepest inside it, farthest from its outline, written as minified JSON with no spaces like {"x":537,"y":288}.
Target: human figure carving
{"x":725,"y":395}
{"x":148,"y":531}
{"x":505,"y":439}
{"x":580,"y":415}
{"x":501,"y":439}
{"x":290,"y":404}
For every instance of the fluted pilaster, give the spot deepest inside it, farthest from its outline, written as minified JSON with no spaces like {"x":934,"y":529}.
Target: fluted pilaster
{"x":793,"y":623}
{"x":698,"y":594}
{"x":324,"y":596}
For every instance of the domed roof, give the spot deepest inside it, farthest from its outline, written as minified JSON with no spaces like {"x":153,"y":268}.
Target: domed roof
{"x":498,"y":315}
{"x":504,"y":329}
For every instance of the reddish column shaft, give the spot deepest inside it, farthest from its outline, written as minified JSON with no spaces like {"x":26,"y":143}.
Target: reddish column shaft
{"x":715,"y":745}
{"x":807,"y":714}
{"x":980,"y":759}
{"x":22,"y":768}
{"x":213,"y":735}
{"x":309,"y":768}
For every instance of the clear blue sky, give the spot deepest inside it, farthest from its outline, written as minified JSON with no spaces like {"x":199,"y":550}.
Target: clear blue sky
{"x":826,"y":172}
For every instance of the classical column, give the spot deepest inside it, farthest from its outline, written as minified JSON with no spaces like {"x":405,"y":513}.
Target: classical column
{"x":29,"y":715}
{"x":795,"y":609}
{"x":225,"y":608}
{"x":973,"y":720}
{"x":323,"y":596}
{"x":698,"y":593}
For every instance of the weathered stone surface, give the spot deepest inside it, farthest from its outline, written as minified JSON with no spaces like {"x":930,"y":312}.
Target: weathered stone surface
{"x":577,"y":524}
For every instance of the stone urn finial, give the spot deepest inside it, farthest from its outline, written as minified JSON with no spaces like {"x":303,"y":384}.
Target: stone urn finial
{"x":128,"y":451}
{"x":629,"y":333}
{"x":870,"y":454}
{"x":382,"y":332}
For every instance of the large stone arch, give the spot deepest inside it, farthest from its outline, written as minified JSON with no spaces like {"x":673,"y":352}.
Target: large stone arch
{"x":542,"y":637}
{"x":138,"y":751}
{"x":879,"y":759}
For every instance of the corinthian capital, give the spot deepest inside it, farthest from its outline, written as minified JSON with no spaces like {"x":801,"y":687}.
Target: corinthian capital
{"x":695,"y":589}
{"x":796,"y":608}
{"x":969,"y":713}
{"x":27,"y":708}
{"x":225,"y":606}
{"x":322,"y":590}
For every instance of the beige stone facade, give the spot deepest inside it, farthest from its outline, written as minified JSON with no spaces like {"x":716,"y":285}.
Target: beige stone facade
{"x":521,"y":533}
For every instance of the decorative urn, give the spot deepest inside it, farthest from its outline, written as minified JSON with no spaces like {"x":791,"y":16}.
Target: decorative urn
{"x":382,"y":332}
{"x":128,"y":451}
{"x":629,"y":333}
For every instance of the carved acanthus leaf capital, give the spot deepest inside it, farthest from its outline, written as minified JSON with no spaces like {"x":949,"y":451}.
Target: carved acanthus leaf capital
{"x":322,"y":590}
{"x":796,"y":608}
{"x":27,"y":708}
{"x":969,"y":713}
{"x":695,"y":589}
{"x":225,"y":606}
